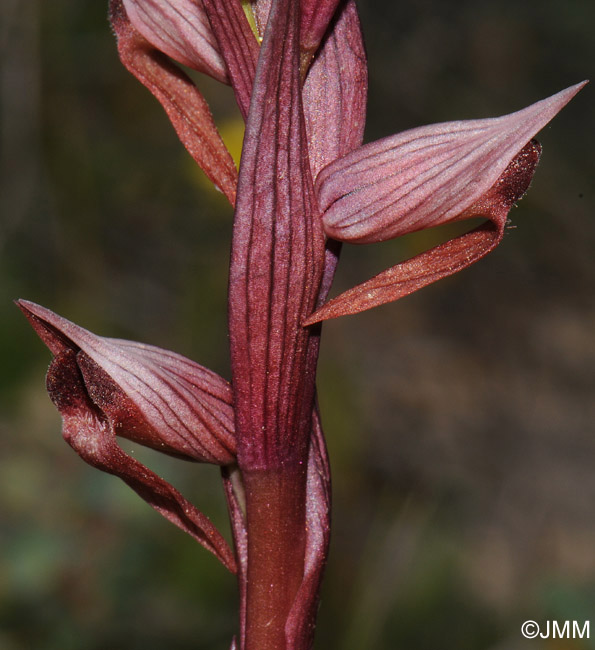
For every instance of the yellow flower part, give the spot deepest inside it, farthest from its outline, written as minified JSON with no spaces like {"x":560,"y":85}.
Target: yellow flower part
{"x":232,"y":133}
{"x":247,"y":7}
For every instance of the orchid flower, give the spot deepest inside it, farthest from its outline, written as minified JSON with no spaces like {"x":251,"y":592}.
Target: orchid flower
{"x":305,"y":185}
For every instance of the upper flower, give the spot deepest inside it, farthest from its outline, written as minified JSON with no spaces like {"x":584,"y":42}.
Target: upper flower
{"x":426,"y":177}
{"x":409,"y":181}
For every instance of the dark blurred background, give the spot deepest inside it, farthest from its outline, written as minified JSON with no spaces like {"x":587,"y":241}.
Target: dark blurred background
{"x":460,"y":421}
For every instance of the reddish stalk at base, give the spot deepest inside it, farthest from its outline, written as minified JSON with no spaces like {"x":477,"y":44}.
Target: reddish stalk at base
{"x":275,"y":508}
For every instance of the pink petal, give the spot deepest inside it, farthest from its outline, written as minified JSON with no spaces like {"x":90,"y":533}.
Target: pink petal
{"x":261,"y":10}
{"x":335,"y":92}
{"x":426,"y":176}
{"x":315,"y":18}
{"x":94,"y":440}
{"x":237,"y":44}
{"x":447,"y":258}
{"x":334,"y":98}
{"x":152,"y":396}
{"x":185,"y":106}
{"x":180,"y":29}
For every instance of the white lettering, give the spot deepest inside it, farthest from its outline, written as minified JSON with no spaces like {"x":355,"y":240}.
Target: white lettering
{"x":546,"y":636}
{"x":578,"y":633}
{"x":563,"y":633}
{"x":557,"y":630}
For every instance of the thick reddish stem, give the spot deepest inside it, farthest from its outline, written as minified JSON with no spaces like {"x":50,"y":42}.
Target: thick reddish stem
{"x":276,"y":510}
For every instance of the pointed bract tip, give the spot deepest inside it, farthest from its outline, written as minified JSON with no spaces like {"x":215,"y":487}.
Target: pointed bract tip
{"x":47,"y":325}
{"x":577,"y":87}
{"x":560,"y":99}
{"x":32,"y":308}
{"x":23,"y":305}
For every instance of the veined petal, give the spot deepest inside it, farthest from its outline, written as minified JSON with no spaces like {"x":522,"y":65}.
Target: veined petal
{"x":93,"y":438}
{"x":315,"y":18}
{"x":426,"y":176}
{"x":184,"y":104}
{"x":335,"y":92}
{"x":261,"y":10}
{"x":334,"y":99}
{"x":316,"y":15}
{"x":447,"y":258}
{"x":180,"y":29}
{"x":237,"y":44}
{"x":151,"y":396}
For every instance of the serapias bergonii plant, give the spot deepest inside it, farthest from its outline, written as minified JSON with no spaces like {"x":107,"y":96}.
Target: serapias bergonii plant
{"x":305,"y":185}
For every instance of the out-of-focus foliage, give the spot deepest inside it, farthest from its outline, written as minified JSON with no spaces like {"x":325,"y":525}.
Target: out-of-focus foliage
{"x":460,"y":421}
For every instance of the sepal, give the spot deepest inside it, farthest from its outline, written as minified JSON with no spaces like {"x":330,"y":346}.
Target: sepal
{"x":335,"y":92}
{"x":181,"y":30}
{"x":149,"y":395}
{"x":426,"y":176}
{"x":238,"y":46}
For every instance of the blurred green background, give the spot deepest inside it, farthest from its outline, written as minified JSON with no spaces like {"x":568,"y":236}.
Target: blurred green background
{"x":460,"y":421}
